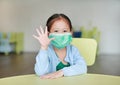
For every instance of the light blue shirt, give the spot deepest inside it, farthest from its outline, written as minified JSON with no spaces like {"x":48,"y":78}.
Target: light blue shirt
{"x":47,"y":60}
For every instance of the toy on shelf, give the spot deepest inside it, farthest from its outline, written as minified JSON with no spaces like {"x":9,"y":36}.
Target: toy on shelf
{"x":4,"y":43}
{"x":11,"y":42}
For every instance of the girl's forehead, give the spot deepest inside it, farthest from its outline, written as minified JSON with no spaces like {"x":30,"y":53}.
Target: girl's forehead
{"x":60,"y":24}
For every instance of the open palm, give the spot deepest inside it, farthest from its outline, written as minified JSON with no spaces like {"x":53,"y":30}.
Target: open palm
{"x":43,"y":37}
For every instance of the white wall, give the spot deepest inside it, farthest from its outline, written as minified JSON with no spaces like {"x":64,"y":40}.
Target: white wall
{"x":26,"y":15}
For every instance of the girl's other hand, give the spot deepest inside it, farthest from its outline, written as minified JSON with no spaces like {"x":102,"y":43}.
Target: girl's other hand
{"x":43,"y":37}
{"x":54,"y":75}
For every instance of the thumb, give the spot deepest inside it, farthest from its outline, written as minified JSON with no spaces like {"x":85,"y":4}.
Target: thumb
{"x":35,"y":37}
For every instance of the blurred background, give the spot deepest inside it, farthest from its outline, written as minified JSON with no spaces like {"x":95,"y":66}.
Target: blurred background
{"x":24,"y":16}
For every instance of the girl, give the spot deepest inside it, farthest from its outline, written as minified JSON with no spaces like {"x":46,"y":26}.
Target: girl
{"x":57,"y":57}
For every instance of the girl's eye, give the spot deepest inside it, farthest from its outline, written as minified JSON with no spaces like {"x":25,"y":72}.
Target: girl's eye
{"x":56,"y":31}
{"x":65,"y":31}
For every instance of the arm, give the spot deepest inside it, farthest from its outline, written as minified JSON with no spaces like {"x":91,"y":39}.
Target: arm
{"x":42,"y":60}
{"x":42,"y":63}
{"x":78,"y":67}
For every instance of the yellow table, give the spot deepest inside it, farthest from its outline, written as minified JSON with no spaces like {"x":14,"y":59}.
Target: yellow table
{"x":86,"y":79}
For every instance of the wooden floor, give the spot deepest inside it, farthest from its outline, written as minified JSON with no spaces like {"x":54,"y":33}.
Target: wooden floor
{"x":22,"y":64}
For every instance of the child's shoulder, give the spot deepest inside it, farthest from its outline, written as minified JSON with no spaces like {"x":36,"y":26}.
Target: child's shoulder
{"x":72,"y":47}
{"x":50,"y":47}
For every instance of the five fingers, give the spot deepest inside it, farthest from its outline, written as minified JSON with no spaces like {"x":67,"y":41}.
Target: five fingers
{"x":35,"y":37}
{"x":40,"y":32}
{"x":46,"y":31}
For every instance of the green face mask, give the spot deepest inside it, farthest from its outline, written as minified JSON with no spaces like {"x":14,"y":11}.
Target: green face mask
{"x":61,"y":40}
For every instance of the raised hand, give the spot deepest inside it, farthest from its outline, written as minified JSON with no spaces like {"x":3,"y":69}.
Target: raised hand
{"x":43,"y":37}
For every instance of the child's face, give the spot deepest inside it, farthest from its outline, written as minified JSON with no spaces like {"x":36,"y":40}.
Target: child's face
{"x":60,"y":26}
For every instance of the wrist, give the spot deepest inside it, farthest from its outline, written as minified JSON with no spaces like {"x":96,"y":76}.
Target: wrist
{"x":61,"y":72}
{"x":44,"y":47}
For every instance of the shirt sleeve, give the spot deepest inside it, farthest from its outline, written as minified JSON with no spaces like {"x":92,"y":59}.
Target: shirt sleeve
{"x":42,"y":63}
{"x":78,"y":67}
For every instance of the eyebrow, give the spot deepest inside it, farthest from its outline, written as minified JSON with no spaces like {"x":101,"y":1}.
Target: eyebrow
{"x":59,"y":28}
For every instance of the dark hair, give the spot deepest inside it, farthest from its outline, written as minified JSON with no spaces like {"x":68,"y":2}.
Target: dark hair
{"x":56,"y":17}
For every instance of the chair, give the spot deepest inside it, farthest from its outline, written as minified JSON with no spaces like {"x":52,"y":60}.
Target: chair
{"x":87,"y":48}
{"x":11,"y":42}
